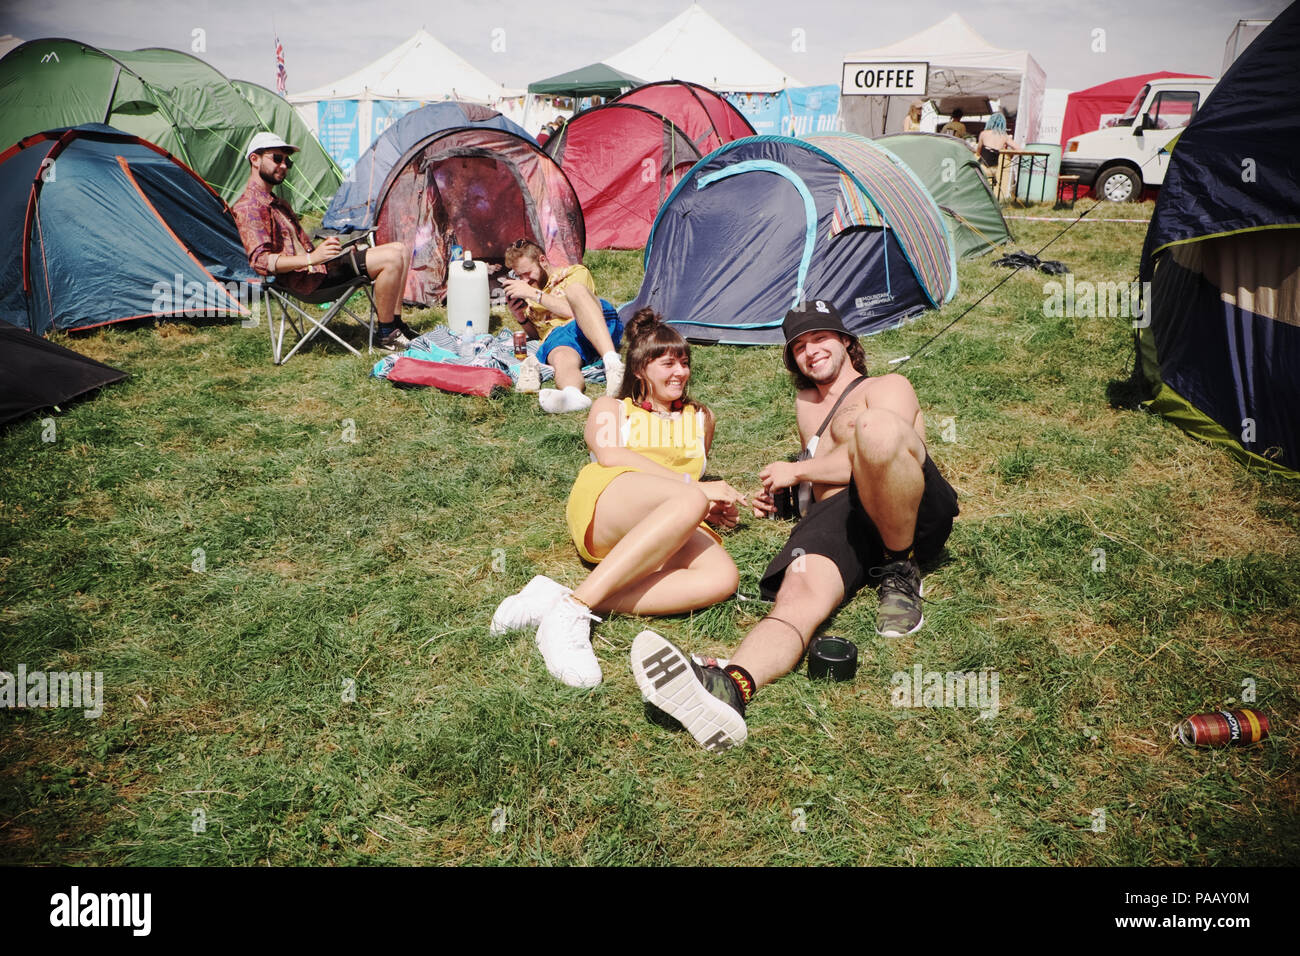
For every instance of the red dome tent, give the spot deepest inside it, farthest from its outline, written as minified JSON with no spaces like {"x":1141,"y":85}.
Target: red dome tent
{"x":623,"y":160}
{"x":708,"y":119}
{"x":1085,"y":108}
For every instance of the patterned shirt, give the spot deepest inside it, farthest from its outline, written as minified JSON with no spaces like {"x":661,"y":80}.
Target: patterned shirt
{"x":543,"y":319}
{"x":269,"y":227}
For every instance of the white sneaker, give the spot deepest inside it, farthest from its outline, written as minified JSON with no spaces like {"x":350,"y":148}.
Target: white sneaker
{"x":614,"y":369}
{"x":564,"y":638}
{"x":526,"y":609}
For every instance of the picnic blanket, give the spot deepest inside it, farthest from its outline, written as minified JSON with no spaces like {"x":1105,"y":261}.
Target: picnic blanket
{"x":439,"y":344}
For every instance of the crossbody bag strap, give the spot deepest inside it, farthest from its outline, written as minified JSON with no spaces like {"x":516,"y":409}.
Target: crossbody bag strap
{"x":836,"y":407}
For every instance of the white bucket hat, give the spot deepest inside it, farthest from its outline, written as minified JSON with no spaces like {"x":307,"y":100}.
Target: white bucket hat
{"x":268,"y":141}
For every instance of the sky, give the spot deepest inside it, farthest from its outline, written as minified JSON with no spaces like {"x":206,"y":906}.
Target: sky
{"x":327,"y":39}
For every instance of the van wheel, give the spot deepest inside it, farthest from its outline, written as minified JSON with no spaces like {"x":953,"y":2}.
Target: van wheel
{"x":1120,"y":184}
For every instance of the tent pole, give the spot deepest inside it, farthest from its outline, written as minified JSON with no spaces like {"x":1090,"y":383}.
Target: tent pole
{"x":112,"y":92}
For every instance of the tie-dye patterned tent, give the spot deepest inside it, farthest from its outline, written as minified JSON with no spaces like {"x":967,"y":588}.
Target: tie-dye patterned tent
{"x":483,"y":185}
{"x":767,"y":221}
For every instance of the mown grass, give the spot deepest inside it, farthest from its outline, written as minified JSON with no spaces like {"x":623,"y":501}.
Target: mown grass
{"x":375,"y":554}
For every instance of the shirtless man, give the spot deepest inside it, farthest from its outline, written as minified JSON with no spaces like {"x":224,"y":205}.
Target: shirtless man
{"x":875,"y":504}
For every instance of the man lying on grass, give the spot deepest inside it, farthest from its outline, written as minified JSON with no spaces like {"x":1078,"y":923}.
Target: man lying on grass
{"x":542,"y":298}
{"x":873,"y":504}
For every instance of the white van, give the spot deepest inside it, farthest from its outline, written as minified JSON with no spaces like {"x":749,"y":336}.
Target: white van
{"x":1117,"y":162}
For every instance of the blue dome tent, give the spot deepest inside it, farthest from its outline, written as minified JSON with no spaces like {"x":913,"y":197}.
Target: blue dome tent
{"x":106,"y":227}
{"x":766,"y":221}
{"x":1221,"y":356}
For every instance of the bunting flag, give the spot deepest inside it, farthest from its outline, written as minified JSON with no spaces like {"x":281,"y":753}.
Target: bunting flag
{"x":281,"y":77}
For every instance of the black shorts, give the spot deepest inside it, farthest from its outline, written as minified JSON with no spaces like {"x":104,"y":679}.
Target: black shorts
{"x":838,"y":528}
{"x":347,"y":265}
{"x":340,"y":272}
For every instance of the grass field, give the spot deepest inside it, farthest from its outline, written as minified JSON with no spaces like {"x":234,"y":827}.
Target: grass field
{"x":285,"y":576}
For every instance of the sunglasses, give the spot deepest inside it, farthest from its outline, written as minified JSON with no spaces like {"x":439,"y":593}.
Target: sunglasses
{"x":520,"y":243}
{"x":279,"y":158}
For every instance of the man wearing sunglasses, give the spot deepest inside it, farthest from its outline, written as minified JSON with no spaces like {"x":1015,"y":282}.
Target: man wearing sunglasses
{"x":277,"y":244}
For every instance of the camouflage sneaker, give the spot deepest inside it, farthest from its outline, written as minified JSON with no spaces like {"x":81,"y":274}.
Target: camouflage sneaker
{"x":703,"y":700}
{"x":900,"y":599}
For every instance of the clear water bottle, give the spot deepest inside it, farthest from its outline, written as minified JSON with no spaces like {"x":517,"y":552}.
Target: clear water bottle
{"x":467,"y":341}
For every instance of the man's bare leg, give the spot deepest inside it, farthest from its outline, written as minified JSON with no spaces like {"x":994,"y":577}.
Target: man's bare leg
{"x":887,"y":456}
{"x":589,"y":315}
{"x":387,"y":266}
{"x":568,"y":368}
{"x":569,"y":384}
{"x":810,"y":591}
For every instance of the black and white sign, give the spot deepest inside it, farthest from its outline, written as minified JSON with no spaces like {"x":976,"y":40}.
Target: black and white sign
{"x":885,"y":79}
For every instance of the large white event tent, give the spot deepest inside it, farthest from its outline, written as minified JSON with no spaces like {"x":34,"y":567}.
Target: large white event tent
{"x":348,"y":113}
{"x":694,"y":46}
{"x":962,"y":64}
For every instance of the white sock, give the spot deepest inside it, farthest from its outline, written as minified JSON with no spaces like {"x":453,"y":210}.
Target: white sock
{"x":613,"y":372}
{"x":568,"y":399}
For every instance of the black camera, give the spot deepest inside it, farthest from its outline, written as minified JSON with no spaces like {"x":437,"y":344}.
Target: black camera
{"x":787,"y":504}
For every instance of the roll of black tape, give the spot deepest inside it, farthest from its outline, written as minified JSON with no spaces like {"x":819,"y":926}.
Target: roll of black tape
{"x":833,"y":657}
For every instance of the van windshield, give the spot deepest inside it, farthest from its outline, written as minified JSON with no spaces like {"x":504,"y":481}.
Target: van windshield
{"x":1131,"y":112}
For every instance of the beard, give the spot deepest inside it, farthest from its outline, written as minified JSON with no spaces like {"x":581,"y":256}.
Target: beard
{"x":268,"y":178}
{"x":828,"y":371}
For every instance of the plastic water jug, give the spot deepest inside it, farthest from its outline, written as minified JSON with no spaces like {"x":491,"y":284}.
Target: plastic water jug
{"x":467,"y":295}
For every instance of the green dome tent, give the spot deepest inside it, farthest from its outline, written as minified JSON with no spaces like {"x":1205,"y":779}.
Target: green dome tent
{"x":315,"y":177}
{"x":951,"y":173}
{"x":170,"y":98}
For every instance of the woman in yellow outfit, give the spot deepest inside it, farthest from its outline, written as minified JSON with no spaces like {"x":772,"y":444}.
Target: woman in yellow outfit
{"x":639,"y":511}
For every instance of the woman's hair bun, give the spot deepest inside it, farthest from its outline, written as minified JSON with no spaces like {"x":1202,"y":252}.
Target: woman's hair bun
{"x":642,"y":323}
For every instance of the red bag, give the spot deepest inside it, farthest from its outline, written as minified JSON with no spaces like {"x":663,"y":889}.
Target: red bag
{"x":462,"y":379}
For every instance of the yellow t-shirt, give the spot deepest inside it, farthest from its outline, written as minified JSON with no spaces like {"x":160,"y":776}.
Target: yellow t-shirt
{"x":558,"y":280}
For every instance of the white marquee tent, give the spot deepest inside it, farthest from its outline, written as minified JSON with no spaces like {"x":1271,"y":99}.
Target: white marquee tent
{"x":694,"y":46}
{"x":962,"y":64}
{"x":348,"y":113}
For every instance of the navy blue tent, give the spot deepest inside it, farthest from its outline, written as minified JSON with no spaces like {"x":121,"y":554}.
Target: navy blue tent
{"x":765,"y":221}
{"x":1221,"y":356}
{"x":356,"y":204}
{"x":104,"y":227}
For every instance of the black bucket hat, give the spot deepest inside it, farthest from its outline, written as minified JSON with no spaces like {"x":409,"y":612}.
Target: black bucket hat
{"x":814,"y":315}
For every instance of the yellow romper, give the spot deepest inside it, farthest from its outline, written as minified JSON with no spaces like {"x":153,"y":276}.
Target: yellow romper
{"x":674,"y":443}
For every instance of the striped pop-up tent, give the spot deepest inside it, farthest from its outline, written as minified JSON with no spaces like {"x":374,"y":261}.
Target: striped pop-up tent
{"x":767,"y":221}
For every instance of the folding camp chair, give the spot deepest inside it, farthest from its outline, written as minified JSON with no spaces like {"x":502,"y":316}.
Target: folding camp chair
{"x":306,"y":325}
